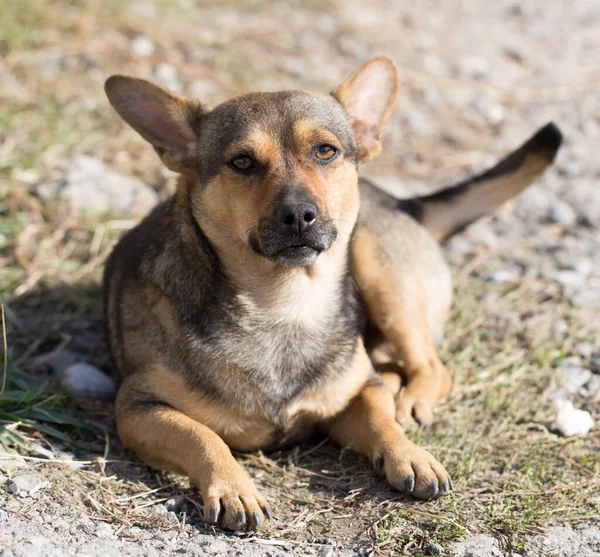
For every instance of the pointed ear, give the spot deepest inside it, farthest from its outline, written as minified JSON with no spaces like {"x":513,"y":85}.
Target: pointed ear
{"x":169,"y":122}
{"x":368,"y":97}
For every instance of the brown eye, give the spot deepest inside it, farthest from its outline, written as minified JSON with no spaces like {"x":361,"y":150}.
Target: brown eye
{"x":242,"y":163}
{"x":325,"y":152}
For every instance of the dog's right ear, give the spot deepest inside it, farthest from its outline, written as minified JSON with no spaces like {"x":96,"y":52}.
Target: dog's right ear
{"x":168,"y":121}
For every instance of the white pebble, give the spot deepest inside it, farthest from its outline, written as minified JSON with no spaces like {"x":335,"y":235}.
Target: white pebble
{"x":572,"y":421}
{"x":143,"y":46}
{"x":85,"y":380}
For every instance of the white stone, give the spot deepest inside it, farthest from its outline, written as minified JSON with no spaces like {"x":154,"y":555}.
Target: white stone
{"x":27,"y":484}
{"x":474,"y":67}
{"x":563,"y":213}
{"x":89,"y":185}
{"x":572,"y":421}
{"x":143,"y":46}
{"x":85,"y":380}
{"x":585,"y":349}
{"x":168,"y":76}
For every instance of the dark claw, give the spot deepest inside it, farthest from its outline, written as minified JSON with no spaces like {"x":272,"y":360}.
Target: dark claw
{"x":241,"y":517}
{"x":433,"y":488}
{"x":451,"y":484}
{"x":267,"y":511}
{"x":378,"y":464}
{"x":213,"y":515}
{"x":256,"y":519}
{"x":445,"y":486}
{"x":409,"y":484}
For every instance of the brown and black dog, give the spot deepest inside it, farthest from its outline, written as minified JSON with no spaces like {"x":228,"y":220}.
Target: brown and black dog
{"x":252,"y":307}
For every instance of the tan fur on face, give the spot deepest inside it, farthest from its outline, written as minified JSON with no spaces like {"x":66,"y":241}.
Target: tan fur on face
{"x":231,"y":206}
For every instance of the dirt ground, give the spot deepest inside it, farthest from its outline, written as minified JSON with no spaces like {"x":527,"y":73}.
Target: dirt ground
{"x":477,"y":79}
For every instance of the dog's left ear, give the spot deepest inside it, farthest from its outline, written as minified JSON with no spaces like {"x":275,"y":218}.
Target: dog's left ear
{"x":368,"y":97}
{"x":168,"y":121}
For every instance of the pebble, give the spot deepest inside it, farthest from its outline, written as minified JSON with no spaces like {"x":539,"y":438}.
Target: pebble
{"x":88,"y":185}
{"x":27,"y":484}
{"x":104,"y":530}
{"x":86,"y":381}
{"x":572,"y":421}
{"x":562,"y":213}
{"x":592,"y":387}
{"x":585,"y":349}
{"x":474,"y":67}
{"x":175,"y":503}
{"x":573,"y":375}
{"x":490,"y":109}
{"x":168,"y":76}
{"x":504,"y":276}
{"x":143,"y":46}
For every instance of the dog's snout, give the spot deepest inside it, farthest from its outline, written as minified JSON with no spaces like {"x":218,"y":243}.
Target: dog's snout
{"x":296,"y":216}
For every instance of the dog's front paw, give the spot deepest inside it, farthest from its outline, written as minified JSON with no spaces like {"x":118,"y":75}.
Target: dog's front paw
{"x":234,"y":503}
{"x":418,"y":398}
{"x":413,"y":470}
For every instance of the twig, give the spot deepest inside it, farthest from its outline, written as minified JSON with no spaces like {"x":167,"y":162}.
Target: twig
{"x":5,"y":367}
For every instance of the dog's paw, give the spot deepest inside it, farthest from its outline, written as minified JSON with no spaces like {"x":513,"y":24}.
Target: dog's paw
{"x":235,"y":505}
{"x":418,"y":398}
{"x":413,"y":470}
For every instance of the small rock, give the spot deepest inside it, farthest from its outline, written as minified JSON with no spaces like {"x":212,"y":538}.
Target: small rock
{"x":585,"y":349}
{"x":592,"y":387}
{"x":573,"y":375}
{"x":160,"y":510}
{"x":27,"y":484}
{"x":505,"y":275}
{"x":569,"y":280}
{"x":168,"y":76}
{"x":474,"y":67}
{"x":87,"y":381}
{"x":104,"y":530}
{"x":143,"y":46}
{"x":572,"y":421}
{"x":476,"y":546}
{"x":561,"y":330}
{"x":87,"y":184}
{"x":563,"y":213}
{"x":11,"y":462}
{"x":175,"y":503}
{"x":490,"y":109}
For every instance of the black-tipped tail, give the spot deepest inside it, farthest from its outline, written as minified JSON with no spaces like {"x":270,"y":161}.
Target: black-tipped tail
{"x":451,"y":209}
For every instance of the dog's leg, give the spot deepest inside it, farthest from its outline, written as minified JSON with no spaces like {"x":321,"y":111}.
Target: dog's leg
{"x":396,"y":304}
{"x":168,"y":439}
{"x":370,"y":427}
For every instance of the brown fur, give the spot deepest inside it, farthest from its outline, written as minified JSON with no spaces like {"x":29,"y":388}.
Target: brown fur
{"x":233,"y":312}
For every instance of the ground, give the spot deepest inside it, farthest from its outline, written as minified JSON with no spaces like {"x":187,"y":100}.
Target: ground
{"x":477,"y":79}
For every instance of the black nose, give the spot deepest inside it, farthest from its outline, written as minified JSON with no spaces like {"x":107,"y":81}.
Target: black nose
{"x":297,"y":217}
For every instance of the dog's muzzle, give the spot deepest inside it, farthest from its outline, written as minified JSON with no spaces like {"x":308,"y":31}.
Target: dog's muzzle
{"x":295,"y":234}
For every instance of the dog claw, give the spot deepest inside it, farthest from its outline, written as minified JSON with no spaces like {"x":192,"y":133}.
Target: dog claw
{"x":267,"y":511}
{"x":409,"y":484}
{"x":213,"y":516}
{"x":241,"y":517}
{"x":445,"y":486}
{"x":433,"y":488}
{"x":256,"y":519}
{"x":378,"y":464}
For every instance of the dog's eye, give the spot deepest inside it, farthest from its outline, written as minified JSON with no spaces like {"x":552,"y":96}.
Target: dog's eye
{"x":242,"y":163}
{"x":325,"y":152}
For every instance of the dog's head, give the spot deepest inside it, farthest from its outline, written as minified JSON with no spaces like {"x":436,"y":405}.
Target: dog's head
{"x":273,"y":172}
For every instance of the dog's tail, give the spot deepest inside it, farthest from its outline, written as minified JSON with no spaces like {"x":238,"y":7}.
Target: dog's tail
{"x":449,"y":210}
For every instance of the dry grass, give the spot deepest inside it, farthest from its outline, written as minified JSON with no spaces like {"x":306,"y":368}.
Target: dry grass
{"x":513,"y":476}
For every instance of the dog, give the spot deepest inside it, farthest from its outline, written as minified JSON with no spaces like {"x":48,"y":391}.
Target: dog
{"x":275,"y":294}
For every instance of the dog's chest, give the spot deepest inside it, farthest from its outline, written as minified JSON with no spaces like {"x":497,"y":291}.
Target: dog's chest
{"x":265,"y":352}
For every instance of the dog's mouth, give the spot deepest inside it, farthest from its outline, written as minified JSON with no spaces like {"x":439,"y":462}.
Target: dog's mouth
{"x":301,"y":254}
{"x":297,"y":253}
